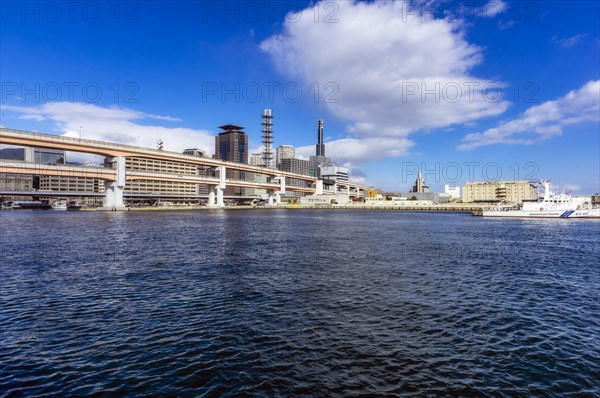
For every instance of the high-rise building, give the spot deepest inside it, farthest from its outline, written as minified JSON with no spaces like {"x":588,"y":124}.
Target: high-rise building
{"x":297,"y":166}
{"x":285,"y":152}
{"x":232,"y":144}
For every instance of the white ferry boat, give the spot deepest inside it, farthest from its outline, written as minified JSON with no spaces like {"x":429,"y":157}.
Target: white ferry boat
{"x":551,"y":205}
{"x":59,"y":205}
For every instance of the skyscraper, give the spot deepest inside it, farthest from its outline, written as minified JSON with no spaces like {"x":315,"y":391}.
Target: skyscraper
{"x":232,"y":144}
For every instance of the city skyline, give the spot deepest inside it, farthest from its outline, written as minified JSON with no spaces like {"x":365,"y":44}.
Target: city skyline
{"x":413,"y":99}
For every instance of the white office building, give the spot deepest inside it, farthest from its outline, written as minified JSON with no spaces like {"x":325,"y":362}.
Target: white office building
{"x":453,"y":192}
{"x":285,"y":152}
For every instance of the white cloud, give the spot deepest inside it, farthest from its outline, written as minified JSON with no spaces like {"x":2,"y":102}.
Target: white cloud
{"x":383,"y":57}
{"x":492,"y":9}
{"x":351,"y":151}
{"x":570,"y":187}
{"x":567,"y":42}
{"x":543,"y":121}
{"x":119,"y":125}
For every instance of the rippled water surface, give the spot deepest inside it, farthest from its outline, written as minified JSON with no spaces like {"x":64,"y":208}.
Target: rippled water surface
{"x":297,"y":303}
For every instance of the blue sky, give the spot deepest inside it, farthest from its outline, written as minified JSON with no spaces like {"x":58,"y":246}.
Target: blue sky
{"x":462,"y":91}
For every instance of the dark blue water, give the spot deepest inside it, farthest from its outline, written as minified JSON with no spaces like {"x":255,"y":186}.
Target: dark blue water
{"x":297,"y":303}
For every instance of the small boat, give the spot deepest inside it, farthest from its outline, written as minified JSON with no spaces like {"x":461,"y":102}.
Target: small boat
{"x":59,"y":205}
{"x":31,"y":205}
{"x":6,"y":206}
{"x":551,"y":205}
{"x":74,"y":206}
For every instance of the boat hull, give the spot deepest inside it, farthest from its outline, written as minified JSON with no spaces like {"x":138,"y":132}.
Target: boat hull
{"x":587,"y":213}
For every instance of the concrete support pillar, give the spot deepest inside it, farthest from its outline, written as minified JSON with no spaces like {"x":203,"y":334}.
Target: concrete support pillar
{"x":270,"y":200}
{"x":282,"y":185}
{"x":220,"y":201}
{"x":113,"y":199}
{"x":222,"y":176}
{"x":277,"y":197}
{"x":211,"y":196}
{"x":319,"y":187}
{"x":348,"y":190}
{"x":222,"y":185}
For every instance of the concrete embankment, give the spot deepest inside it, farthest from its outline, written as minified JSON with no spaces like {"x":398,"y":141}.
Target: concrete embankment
{"x":464,"y":208}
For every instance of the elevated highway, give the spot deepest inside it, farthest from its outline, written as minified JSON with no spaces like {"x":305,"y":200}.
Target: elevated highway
{"x":116,"y":177}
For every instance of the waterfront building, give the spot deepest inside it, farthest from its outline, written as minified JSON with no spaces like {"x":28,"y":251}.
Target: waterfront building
{"x":70,"y":184}
{"x":320,"y":200}
{"x":16,"y":182}
{"x":453,"y":192}
{"x":387,"y":199}
{"x":423,"y":197}
{"x":232,"y":145}
{"x":499,"y":191}
{"x":285,"y":152}
{"x":145,"y":187}
{"x":20,"y":182}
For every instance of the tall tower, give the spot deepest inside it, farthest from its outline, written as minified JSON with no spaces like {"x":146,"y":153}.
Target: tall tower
{"x":320,"y":145}
{"x":267,"y":138}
